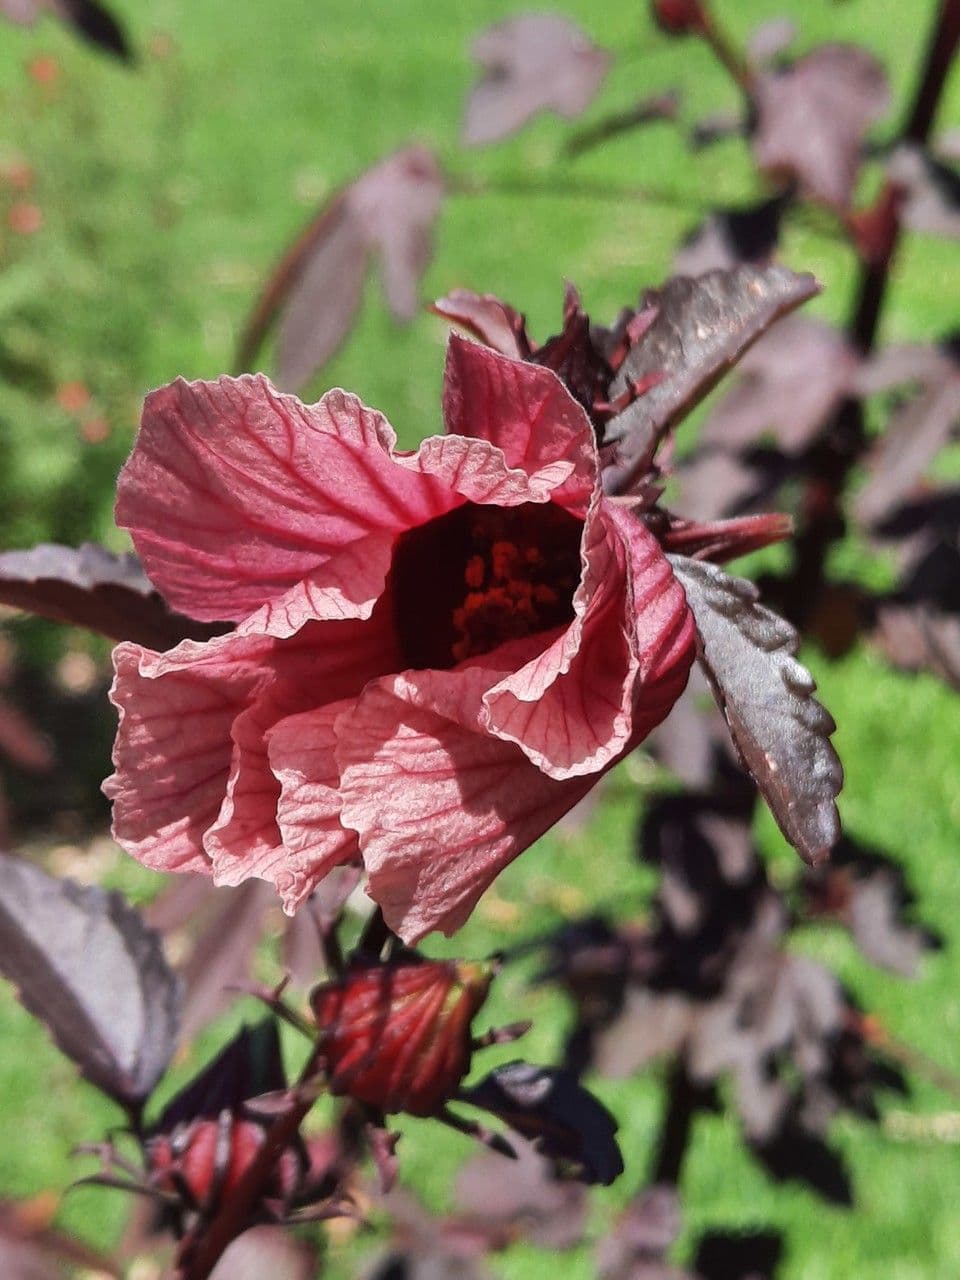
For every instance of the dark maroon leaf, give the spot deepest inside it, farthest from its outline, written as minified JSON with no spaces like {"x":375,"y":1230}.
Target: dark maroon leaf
{"x":534,"y":62}
{"x":651,"y":1025}
{"x":95,"y":23}
{"x":753,"y":1255}
{"x":88,"y":586}
{"x":306,"y":953}
{"x":877,"y":925}
{"x":549,"y":1107}
{"x":184,"y":898}
{"x":487,"y":318}
{"x":797,"y":1156}
{"x":702,"y":327}
{"x":714,"y":483}
{"x":812,"y":118}
{"x":88,"y":17}
{"x":918,"y":627}
{"x":906,"y":363}
{"x":689,"y":739}
{"x":268,"y":1253}
{"x":775,"y":1009}
{"x":250,"y":1065}
{"x":947,"y":145}
{"x":789,"y":384}
{"x":322,"y":298}
{"x":430,"y":1248}
{"x":23,"y":12}
{"x":731,"y":236}
{"x":771,"y":39}
{"x":932,"y":192}
{"x":917,"y":637}
{"x":223,"y":954}
{"x":780,"y":731}
{"x":522,"y":1197}
{"x":388,"y":213}
{"x":914,"y":437}
{"x":84,"y":962}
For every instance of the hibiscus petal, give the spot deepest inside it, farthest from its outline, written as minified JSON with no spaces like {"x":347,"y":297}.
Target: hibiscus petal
{"x":439,"y":807}
{"x":242,"y":501}
{"x":234,"y":493}
{"x":193,"y":788}
{"x":616,"y":671}
{"x":323,"y":664}
{"x":172,"y":753}
{"x":301,"y":751}
{"x":348,"y":586}
{"x":526,"y":411}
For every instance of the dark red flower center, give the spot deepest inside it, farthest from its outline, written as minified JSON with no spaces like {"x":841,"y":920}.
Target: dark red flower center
{"x":479,"y":576}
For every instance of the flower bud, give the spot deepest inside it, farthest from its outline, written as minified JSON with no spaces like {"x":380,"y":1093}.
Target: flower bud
{"x":203,"y":1161}
{"x":680,"y":17}
{"x":397,"y":1036}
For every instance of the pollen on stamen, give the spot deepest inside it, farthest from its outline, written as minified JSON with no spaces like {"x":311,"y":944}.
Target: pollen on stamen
{"x":496,"y":575}
{"x":473,"y":573}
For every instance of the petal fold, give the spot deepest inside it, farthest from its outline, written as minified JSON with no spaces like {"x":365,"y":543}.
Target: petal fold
{"x":439,"y":807}
{"x":527,"y":412}
{"x":302,"y":758}
{"x":616,"y":671}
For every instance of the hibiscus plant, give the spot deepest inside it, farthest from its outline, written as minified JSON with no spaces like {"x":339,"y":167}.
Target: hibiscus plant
{"x":361,"y":681}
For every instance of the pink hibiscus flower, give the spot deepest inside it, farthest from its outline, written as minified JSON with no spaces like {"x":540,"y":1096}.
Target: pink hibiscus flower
{"x":436,"y":654}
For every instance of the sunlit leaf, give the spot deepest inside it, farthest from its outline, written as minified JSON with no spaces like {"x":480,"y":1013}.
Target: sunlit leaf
{"x":88,"y":586}
{"x":85,"y":964}
{"x":781,"y":732}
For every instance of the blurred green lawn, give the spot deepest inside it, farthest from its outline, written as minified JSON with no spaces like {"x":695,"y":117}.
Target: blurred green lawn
{"x":166,"y":192}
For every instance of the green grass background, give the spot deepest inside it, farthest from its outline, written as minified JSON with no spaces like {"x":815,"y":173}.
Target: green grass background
{"x":167,"y":191}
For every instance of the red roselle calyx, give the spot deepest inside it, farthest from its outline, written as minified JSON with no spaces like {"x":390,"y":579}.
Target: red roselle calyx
{"x":397,"y":1036}
{"x":202,"y":1161}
